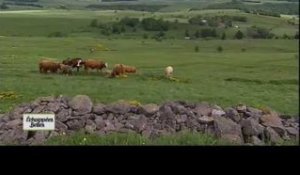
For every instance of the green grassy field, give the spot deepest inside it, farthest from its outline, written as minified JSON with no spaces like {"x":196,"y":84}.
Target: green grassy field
{"x":259,"y":73}
{"x":264,"y":74}
{"x":206,"y":75}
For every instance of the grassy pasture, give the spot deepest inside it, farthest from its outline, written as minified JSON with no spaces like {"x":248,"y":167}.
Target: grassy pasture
{"x":208,"y":73}
{"x":260,"y":73}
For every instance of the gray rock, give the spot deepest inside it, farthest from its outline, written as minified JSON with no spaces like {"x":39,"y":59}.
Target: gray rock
{"x":61,"y":127}
{"x":181,"y":118}
{"x":39,"y":109}
{"x":203,"y":109}
{"x":241,"y":108}
{"x":81,"y":104}
{"x":90,"y":126}
{"x":273,"y":120}
{"x":217,"y":113}
{"x":63,"y":115}
{"x":13,"y":123}
{"x":109,"y":126}
{"x":206,"y":120}
{"x":75,"y":124}
{"x":118,"y":125}
{"x":233,"y":114}
{"x":53,"y":134}
{"x":256,"y":141}
{"x":147,"y":133}
{"x":292,"y":132}
{"x":166,"y":112}
{"x":129,"y":125}
{"x":272,"y":136}
{"x":100,"y":124}
{"x":53,"y":107}
{"x":110,"y":116}
{"x":227,"y":129}
{"x":40,"y":137}
{"x":118,"y":108}
{"x":126,"y":130}
{"x":99,"y":109}
{"x":141,"y":123}
{"x":149,"y":109}
{"x":179,"y":109}
{"x":251,"y":127}
{"x":100,"y":133}
{"x":18,"y":112}
{"x":14,"y":136}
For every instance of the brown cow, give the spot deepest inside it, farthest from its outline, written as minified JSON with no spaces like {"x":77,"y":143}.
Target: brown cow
{"x":74,"y":63}
{"x":129,"y":69}
{"x":48,"y":65}
{"x":94,"y":64}
{"x":118,"y":70}
{"x":65,"y":69}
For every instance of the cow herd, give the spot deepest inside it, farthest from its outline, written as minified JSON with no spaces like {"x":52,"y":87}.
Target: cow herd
{"x":66,"y":67}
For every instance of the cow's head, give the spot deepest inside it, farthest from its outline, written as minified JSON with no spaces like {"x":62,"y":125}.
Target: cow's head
{"x":106,"y":65}
{"x":79,"y":63}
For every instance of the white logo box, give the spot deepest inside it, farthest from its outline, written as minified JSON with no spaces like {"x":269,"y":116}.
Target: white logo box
{"x":35,"y":122}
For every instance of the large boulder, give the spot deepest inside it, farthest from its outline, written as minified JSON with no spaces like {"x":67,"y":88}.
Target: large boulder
{"x":251,"y":127}
{"x":81,"y":104}
{"x":202,"y":109}
{"x":227,"y":129}
{"x":118,"y":108}
{"x":149,"y":109}
{"x":217,"y":113}
{"x":53,"y":107}
{"x":75,"y":124}
{"x":272,"y":136}
{"x":233,"y":114}
{"x":99,"y":109}
{"x":274,"y":121}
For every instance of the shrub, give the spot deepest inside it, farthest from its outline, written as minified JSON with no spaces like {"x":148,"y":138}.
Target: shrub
{"x":57,"y":34}
{"x":131,"y":22}
{"x":187,"y":33}
{"x":94,"y":23}
{"x":296,"y":35}
{"x":243,"y":50}
{"x":3,"y":6}
{"x":196,"y":48}
{"x":145,"y":36}
{"x":259,"y":32}
{"x":239,"y":35}
{"x":223,"y":37}
{"x":208,"y":32}
{"x":151,"y":24}
{"x":220,"y":49}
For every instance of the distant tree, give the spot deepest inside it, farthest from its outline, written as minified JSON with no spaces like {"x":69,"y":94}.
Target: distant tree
{"x":239,"y":35}
{"x":94,"y":23}
{"x":208,"y":32}
{"x":145,"y":36}
{"x":296,"y":35}
{"x":223,"y":37}
{"x":196,"y":48}
{"x":219,"y":48}
{"x":161,"y":34}
{"x":131,"y":22}
{"x":3,"y":6}
{"x":197,"y":34}
{"x":151,"y":24}
{"x":187,"y":33}
{"x":259,"y":32}
{"x":285,"y":36}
